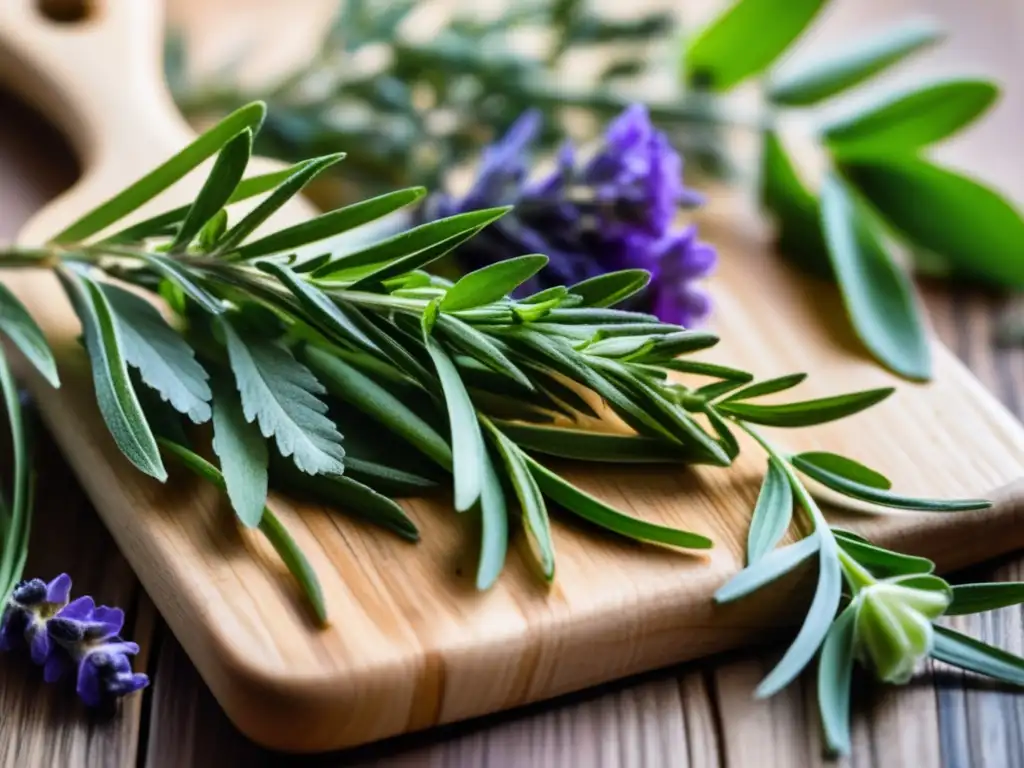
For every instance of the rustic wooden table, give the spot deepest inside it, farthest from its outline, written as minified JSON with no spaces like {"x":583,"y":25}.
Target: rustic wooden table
{"x":699,"y":714}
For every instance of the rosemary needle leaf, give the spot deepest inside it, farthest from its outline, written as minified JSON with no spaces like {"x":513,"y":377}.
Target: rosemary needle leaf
{"x":848,"y":468}
{"x":975,"y":598}
{"x":816,"y":624}
{"x":591,"y":445}
{"x":882,"y":563}
{"x":165,"y":362}
{"x":184,"y":278}
{"x":491,"y":283}
{"x":768,"y":387}
{"x":156,"y":181}
{"x":808,"y":412}
{"x":270,"y":527}
{"x":480,"y":348}
{"x":242,"y":452}
{"x":281,"y":394}
{"x":767,"y":569}
{"x":772,"y":513}
{"x":973,"y":655}
{"x":114,"y":392}
{"x":216,"y":190}
{"x":610,"y":288}
{"x":17,"y":324}
{"x":597,"y":512}
{"x":835,"y":673}
{"x":494,"y":523}
{"x":385,"y":479}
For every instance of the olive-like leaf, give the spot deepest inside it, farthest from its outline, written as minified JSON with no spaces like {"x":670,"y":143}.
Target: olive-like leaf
{"x":835,"y":673}
{"x":973,"y":655}
{"x":808,"y":412}
{"x":772,"y":513}
{"x":767,"y":569}
{"x":493,"y":523}
{"x":610,"y":288}
{"x":975,"y":598}
{"x":882,"y":563}
{"x":844,"y":467}
{"x":591,"y":445}
{"x":17,"y":324}
{"x":492,"y":282}
{"x":767,"y":387}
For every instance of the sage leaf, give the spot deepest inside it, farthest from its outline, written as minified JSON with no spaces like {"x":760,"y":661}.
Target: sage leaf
{"x":975,"y":598}
{"x":772,"y":513}
{"x":972,"y":226}
{"x":878,"y":296}
{"x":835,"y":673}
{"x":908,"y":121}
{"x":808,"y":412}
{"x":243,"y":455}
{"x":973,"y":655}
{"x":610,"y":288}
{"x":848,"y":468}
{"x":164,"y":361}
{"x":882,"y":497}
{"x":745,"y":40}
{"x":270,"y":527}
{"x":591,"y":445}
{"x":493,"y":282}
{"x":114,"y":392}
{"x":816,"y":624}
{"x":810,"y":82}
{"x":767,"y":569}
{"x":883,"y":563}
{"x":329,"y":224}
{"x":156,"y":181}
{"x":597,"y":512}
{"x":17,"y":324}
{"x":493,"y":523}
{"x":768,"y":387}
{"x":281,"y":394}
{"x":216,"y":190}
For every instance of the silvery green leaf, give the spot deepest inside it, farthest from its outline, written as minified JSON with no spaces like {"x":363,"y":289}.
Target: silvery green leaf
{"x":767,"y":569}
{"x":882,"y":563}
{"x":767,"y":387}
{"x":180,"y":274}
{"x":844,"y":467}
{"x":481,"y":348}
{"x":808,"y":412}
{"x":329,"y":224}
{"x":610,"y":288}
{"x":835,"y":672}
{"x":813,"y":81}
{"x":591,"y":445}
{"x":165,"y":362}
{"x":156,"y":181}
{"x":216,"y":190}
{"x":816,"y":624}
{"x":114,"y":392}
{"x":281,"y":394}
{"x":907,"y":121}
{"x":22,"y":330}
{"x":878,"y":295}
{"x":772,"y":513}
{"x":975,"y":656}
{"x":16,"y":522}
{"x":975,"y":598}
{"x":242,"y":452}
{"x":492,"y":282}
{"x":493,"y":522}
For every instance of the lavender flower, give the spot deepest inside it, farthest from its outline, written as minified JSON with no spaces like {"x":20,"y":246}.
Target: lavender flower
{"x":63,"y":635}
{"x":613,"y":210}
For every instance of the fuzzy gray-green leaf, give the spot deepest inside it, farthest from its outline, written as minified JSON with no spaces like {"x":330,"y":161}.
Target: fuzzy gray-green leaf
{"x":772,"y":513}
{"x":243,"y":455}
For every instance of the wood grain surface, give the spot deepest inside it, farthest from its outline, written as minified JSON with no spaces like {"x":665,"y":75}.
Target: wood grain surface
{"x":694,"y":715}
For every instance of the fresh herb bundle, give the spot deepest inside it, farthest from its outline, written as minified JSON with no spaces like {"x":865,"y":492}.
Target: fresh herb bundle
{"x":295,"y":360}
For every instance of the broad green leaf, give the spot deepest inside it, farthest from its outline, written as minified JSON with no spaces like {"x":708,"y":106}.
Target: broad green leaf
{"x":885,"y":498}
{"x":288,"y":189}
{"x":848,"y":468}
{"x":270,"y":527}
{"x":816,"y":624}
{"x":329,"y":224}
{"x":281,"y":394}
{"x":907,"y":121}
{"x":217,"y":189}
{"x":531,"y":501}
{"x":610,"y":288}
{"x":165,"y":362}
{"x":975,"y":656}
{"x":591,"y":445}
{"x":767,"y":569}
{"x":16,"y":522}
{"x":481,"y":348}
{"x":767,"y":387}
{"x":808,"y":412}
{"x":772,"y":513}
{"x":493,"y":282}
{"x":178,"y":273}
{"x":972,"y":226}
{"x":745,"y":40}
{"x":810,"y":82}
{"x":242,"y":452}
{"x":597,"y":512}
{"x":879,"y":297}
{"x":493,"y":523}
{"x":156,"y":181}
{"x":114,"y":392}
{"x":467,"y":442}
{"x":975,"y":598}
{"x":794,"y":208}
{"x":835,"y":673}
{"x":362,"y":392}
{"x":882,"y":563}
{"x":22,"y":330}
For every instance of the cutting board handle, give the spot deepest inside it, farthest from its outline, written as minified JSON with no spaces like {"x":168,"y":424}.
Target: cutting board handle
{"x":100,"y":80}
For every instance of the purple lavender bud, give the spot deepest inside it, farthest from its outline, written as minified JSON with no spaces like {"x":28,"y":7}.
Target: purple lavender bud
{"x":105,"y":673}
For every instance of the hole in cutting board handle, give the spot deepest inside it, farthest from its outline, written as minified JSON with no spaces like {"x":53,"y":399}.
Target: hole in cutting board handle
{"x":67,"y":11}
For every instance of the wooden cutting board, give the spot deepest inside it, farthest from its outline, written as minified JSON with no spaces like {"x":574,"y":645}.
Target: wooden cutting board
{"x":412,"y":644}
